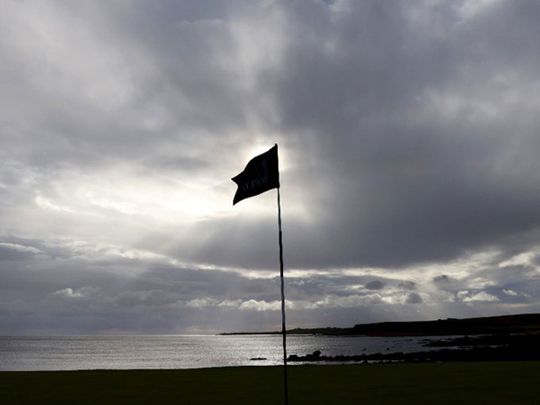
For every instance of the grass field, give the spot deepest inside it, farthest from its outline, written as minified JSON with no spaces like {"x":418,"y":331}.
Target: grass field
{"x":434,"y":383}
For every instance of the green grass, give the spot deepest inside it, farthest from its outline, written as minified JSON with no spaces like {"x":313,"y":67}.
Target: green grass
{"x":444,"y":383}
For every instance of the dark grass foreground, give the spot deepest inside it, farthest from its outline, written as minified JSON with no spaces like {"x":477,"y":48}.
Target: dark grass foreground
{"x":433,"y":383}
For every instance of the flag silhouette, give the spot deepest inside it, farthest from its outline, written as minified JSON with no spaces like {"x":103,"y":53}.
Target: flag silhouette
{"x":261,"y":174}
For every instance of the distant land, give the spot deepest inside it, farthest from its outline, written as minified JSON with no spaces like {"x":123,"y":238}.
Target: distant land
{"x":521,"y":323}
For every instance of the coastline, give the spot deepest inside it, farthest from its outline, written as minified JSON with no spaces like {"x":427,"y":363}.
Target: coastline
{"x":517,"y":323}
{"x":499,"y":347}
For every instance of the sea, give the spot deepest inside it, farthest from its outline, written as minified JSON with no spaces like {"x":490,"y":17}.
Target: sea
{"x":30,"y":353}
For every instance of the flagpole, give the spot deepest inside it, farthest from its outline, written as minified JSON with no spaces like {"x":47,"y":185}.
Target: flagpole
{"x":283,"y":328}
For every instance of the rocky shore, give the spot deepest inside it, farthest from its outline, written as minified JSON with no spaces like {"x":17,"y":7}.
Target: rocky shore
{"x":479,"y":348}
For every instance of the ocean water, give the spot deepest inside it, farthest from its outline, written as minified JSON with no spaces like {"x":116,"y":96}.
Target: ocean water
{"x":179,"y":351}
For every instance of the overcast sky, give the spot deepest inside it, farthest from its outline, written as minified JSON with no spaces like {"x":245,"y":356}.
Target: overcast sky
{"x":409,"y":135}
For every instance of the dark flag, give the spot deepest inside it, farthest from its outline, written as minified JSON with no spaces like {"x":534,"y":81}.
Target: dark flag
{"x":261,"y":174}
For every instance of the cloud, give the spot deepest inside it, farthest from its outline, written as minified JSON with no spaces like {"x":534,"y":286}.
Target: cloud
{"x":375,"y":285}
{"x":467,"y":296}
{"x":407,"y":285}
{"x":414,"y":298}
{"x":81,"y":291}
{"x":69,"y":293}
{"x":261,"y":305}
{"x":408,"y":151}
{"x":442,"y":281}
{"x":510,"y":292}
{"x":11,"y":251}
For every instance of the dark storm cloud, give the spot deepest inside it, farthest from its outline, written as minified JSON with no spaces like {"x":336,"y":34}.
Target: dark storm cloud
{"x":404,"y":182}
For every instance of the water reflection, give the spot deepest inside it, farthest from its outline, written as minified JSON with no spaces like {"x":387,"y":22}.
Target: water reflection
{"x":155,"y":352}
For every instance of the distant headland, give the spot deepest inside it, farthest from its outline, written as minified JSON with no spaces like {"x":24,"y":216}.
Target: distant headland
{"x":520,"y":323}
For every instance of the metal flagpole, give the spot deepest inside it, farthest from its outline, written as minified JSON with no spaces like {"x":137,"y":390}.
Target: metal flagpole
{"x":283,"y":328}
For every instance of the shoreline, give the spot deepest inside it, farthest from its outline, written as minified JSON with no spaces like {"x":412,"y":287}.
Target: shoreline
{"x":498,"y":347}
{"x":322,"y":361}
{"x":495,"y":347}
{"x":297,"y":365}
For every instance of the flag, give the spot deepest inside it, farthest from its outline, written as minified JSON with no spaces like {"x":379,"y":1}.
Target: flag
{"x":261,"y":174}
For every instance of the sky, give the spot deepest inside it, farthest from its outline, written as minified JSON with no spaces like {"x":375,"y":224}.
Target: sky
{"x":408,"y":134}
